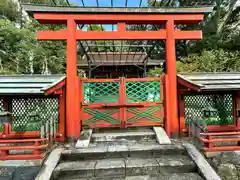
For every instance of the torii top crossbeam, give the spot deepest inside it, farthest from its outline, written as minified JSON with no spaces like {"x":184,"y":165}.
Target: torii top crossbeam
{"x":168,"y":17}
{"x":54,"y":15}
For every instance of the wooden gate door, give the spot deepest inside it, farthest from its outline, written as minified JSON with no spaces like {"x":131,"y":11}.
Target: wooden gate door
{"x":144,"y":102}
{"x":121,"y":102}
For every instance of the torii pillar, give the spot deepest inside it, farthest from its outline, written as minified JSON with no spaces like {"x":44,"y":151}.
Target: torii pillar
{"x":72,"y":86}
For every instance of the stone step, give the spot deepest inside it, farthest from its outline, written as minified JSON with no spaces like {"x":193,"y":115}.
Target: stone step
{"x":127,"y":135}
{"x":120,"y":167}
{"x":105,"y":150}
{"x":175,"y":176}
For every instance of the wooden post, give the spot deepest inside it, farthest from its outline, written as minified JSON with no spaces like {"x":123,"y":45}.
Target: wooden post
{"x":210,"y":145}
{"x":62,"y":115}
{"x":182,"y":123}
{"x":7,"y":104}
{"x":37,"y":151}
{"x":71,"y":82}
{"x":167,"y":106}
{"x":47,"y":131}
{"x":77,"y":120}
{"x":51,"y":130}
{"x":237,"y":110}
{"x":122,"y":100}
{"x":171,"y":100}
{"x":42,"y":132}
{"x":81,"y":99}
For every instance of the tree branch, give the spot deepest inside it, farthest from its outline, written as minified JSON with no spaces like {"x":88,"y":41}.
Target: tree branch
{"x":226,"y":17}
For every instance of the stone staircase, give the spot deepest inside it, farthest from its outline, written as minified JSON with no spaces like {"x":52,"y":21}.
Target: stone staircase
{"x":131,"y":154}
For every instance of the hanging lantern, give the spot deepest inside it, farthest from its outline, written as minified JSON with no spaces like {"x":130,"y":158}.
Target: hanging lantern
{"x":210,"y":116}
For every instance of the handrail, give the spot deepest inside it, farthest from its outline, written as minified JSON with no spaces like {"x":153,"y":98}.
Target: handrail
{"x":220,"y":133}
{"x":48,"y":136}
{"x":194,"y":128}
{"x":20,"y":140}
{"x":210,"y":143}
{"x":30,"y":147}
{"x":220,"y":140}
{"x":48,"y":130}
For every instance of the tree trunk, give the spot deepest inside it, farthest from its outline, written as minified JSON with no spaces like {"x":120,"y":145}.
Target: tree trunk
{"x":31,"y":62}
{"x":218,"y":14}
{"x":227,"y":16}
{"x":1,"y":66}
{"x":17,"y":65}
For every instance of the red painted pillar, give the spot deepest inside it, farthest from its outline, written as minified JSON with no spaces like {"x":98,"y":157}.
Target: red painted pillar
{"x":62,"y":115}
{"x":171,"y":100}
{"x":237,"y":110}
{"x":122,"y":93}
{"x":182,"y":124}
{"x":167,"y":106}
{"x":81,"y":99}
{"x":7,"y":104}
{"x":71,"y":81}
{"x":77,"y":120}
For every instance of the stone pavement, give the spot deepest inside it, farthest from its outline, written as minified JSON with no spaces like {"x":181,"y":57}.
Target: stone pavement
{"x":227,"y":165}
{"x":19,"y":169}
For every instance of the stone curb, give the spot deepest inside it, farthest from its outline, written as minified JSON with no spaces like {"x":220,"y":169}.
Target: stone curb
{"x":204,"y":167}
{"x":161,"y":135}
{"x":84,"y":139}
{"x":49,"y":165}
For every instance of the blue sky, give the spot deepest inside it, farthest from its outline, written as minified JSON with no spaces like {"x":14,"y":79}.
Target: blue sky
{"x":107,"y":3}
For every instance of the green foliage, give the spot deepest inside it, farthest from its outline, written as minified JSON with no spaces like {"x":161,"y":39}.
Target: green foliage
{"x":8,"y":10}
{"x":155,"y":72}
{"x":95,"y":27}
{"x":218,"y":60}
{"x":15,"y":43}
{"x":219,"y":48}
{"x":22,"y":53}
{"x":49,"y":2}
{"x":100,"y":46}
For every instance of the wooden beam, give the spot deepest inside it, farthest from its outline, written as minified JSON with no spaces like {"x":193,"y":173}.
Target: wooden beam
{"x":130,"y":18}
{"x":188,"y":35}
{"x":52,"y":35}
{"x":188,"y":85}
{"x":56,"y":87}
{"x":121,"y":27}
{"x":122,"y":35}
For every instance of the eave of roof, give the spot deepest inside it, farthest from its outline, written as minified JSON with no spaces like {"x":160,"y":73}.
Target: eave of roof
{"x":26,"y":84}
{"x":117,"y":59}
{"x":219,"y":81}
{"x":30,"y":9}
{"x":54,"y":84}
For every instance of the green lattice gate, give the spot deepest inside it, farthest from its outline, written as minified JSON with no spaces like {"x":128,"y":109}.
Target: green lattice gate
{"x":122,"y":102}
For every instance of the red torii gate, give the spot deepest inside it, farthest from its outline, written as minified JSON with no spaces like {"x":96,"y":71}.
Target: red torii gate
{"x":57,"y":15}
